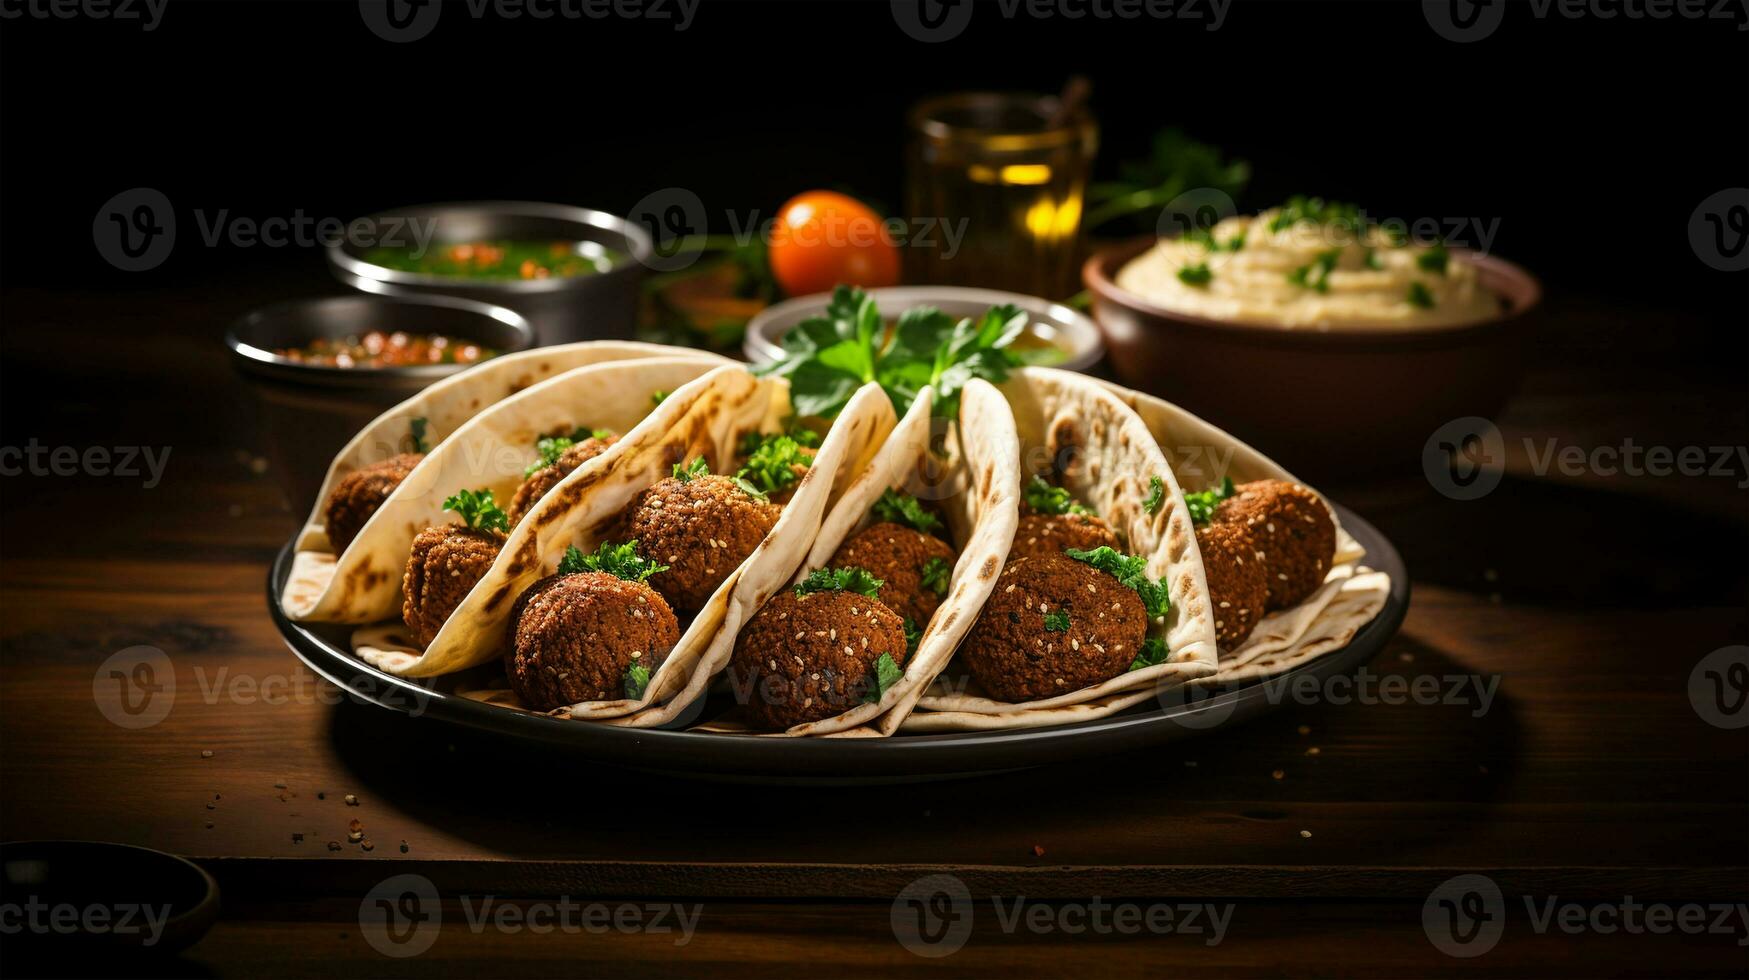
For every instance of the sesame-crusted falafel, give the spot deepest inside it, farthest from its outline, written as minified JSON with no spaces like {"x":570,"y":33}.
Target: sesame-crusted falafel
{"x":547,"y":477}
{"x":810,"y":657}
{"x":358,"y":495}
{"x":1049,"y":534}
{"x":1053,"y":625}
{"x":573,"y":638}
{"x":1238,"y":584}
{"x":444,"y":565}
{"x":1293,"y":532}
{"x":913,"y":567}
{"x":702,"y":528}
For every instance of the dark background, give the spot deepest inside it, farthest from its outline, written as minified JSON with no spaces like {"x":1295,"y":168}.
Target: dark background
{"x":1591,"y":140}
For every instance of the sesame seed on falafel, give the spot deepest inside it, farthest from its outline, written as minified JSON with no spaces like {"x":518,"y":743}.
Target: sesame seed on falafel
{"x":1054,"y":625}
{"x":702,"y":528}
{"x":1293,"y":531}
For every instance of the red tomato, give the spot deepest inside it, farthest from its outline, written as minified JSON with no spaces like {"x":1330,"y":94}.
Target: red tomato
{"x":823,"y":239}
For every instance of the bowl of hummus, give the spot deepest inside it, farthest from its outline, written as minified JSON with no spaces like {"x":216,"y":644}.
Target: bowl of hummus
{"x":1338,"y":342}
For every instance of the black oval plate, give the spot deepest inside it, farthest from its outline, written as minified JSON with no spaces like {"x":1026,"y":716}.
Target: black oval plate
{"x":327,"y":651}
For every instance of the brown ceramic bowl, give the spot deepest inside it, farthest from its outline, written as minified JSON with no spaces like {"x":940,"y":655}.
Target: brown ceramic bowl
{"x":1326,"y":403}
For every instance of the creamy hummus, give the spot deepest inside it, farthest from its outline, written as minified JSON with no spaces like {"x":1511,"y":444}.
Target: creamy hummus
{"x":1310,"y":274}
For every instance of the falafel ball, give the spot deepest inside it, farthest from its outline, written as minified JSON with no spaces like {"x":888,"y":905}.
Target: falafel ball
{"x":1054,"y":625}
{"x":702,"y":529}
{"x":573,"y":638}
{"x":900,"y":557}
{"x":1049,"y":534}
{"x":1293,"y":532}
{"x":805,"y":658}
{"x":358,"y":495}
{"x":548,"y":477}
{"x":444,"y":565}
{"x":1238,"y":584}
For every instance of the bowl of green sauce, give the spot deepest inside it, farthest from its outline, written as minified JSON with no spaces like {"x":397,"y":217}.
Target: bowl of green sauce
{"x":572,"y":272}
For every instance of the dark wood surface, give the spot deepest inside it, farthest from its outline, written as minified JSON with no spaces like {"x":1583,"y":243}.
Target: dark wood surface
{"x":1590,"y":776}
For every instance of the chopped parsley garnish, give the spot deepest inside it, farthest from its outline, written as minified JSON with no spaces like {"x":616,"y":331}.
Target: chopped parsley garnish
{"x":1156,"y":495}
{"x":886,"y":674}
{"x":936,"y":572}
{"x":637,"y":680}
{"x":478,"y":510}
{"x":658,"y":396}
{"x":550,"y":449}
{"x":1318,"y":211}
{"x":1435,"y":259}
{"x":1206,"y":238}
{"x":1316,"y":274}
{"x":1057,"y":621}
{"x":1153,"y":653}
{"x":1131,"y":571}
{"x":688,"y":472}
{"x":902,"y":508}
{"x":619,"y":560}
{"x":913,"y":636}
{"x":749,"y":489}
{"x":803,"y":435}
{"x":1372,"y":260}
{"x":416,"y":427}
{"x":828,"y":357}
{"x":1195,"y":275}
{"x":1420,"y":296}
{"x":1046,"y":499}
{"x":1201,"y":504}
{"x":850,"y":579}
{"x":770,"y":466}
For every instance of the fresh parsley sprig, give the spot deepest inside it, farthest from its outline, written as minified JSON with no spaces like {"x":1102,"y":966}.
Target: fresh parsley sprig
{"x":936,"y":573}
{"x":770,"y":467}
{"x":902,"y":508}
{"x":1156,"y":495}
{"x":478,"y":510}
{"x":688,"y":472}
{"x":619,"y":560}
{"x":636,"y":681}
{"x":886,"y":674}
{"x":1044,"y":498}
{"x":1057,"y":621}
{"x":1202,"y":503}
{"x":1153,"y":654}
{"x":1131,"y":571}
{"x":828,"y":357}
{"x":849,"y":579}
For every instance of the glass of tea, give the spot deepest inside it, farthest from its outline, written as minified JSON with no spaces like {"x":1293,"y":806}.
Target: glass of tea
{"x":1004,"y":175}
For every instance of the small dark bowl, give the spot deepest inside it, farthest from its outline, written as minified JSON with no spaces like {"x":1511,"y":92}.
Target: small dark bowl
{"x":105,"y":880}
{"x":310,"y":411}
{"x":1325,"y":403}
{"x":603,"y":306}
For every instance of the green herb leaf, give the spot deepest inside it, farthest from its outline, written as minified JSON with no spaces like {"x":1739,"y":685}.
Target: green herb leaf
{"x":913,"y":636}
{"x":416,"y":427}
{"x":1317,"y":211}
{"x":658,"y":396}
{"x":1153,"y":653}
{"x":1046,"y":499}
{"x":1145,"y":188}
{"x":902,"y":508}
{"x":1057,"y":621}
{"x":886,"y":674}
{"x":1420,"y":296}
{"x":1435,"y":259}
{"x":690,"y":471}
{"x":1156,"y":495}
{"x":1372,"y":260}
{"x":550,"y":449}
{"x":478,"y":510}
{"x":1316,"y":275}
{"x":749,"y":489}
{"x":850,"y":579}
{"x":770,"y":466}
{"x":1195,"y":275}
{"x":1131,"y":571}
{"x":619,"y":560}
{"x":637,"y":681}
{"x":936,"y":572}
{"x":1201,"y":504}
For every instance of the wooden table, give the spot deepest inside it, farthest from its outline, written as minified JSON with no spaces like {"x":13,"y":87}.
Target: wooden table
{"x":1322,"y":829}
